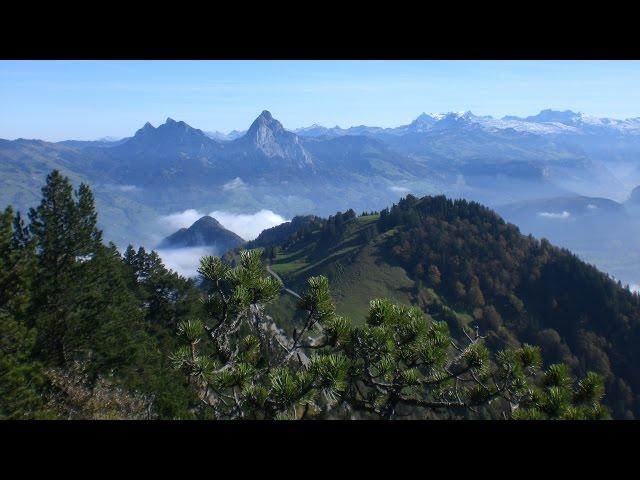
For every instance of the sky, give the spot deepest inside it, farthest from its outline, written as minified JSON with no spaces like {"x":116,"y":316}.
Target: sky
{"x":87,"y":100}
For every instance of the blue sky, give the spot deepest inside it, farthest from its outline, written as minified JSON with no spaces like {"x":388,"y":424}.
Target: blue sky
{"x":55,"y":100}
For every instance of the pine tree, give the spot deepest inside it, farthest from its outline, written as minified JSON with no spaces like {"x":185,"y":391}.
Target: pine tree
{"x":76,"y":297}
{"x":17,"y":265}
{"x":72,"y":310}
{"x":400,"y":363}
{"x":21,"y":377}
{"x":54,"y":226}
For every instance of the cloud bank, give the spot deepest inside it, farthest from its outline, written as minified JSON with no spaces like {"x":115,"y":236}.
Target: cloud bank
{"x":562,"y":215}
{"x":179,"y":220}
{"x":398,"y":189}
{"x":234,"y":184}
{"x":248,"y":226}
{"x":185,"y":261}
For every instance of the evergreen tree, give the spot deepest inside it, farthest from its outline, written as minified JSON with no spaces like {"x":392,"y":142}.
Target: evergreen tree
{"x":82,"y":309}
{"x":17,"y":265}
{"x":66,"y":233}
{"x":400,"y":363}
{"x":21,"y":379}
{"x":84,"y":332}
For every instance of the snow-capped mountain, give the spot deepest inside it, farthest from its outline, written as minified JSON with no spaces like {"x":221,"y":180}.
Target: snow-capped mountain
{"x":547,"y":122}
{"x":225,"y":137}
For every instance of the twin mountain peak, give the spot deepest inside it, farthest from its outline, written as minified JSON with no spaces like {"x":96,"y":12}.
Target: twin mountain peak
{"x":266,"y":136}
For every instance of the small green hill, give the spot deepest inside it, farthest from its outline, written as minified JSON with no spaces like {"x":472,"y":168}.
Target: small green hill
{"x":356,"y":269}
{"x":357,"y":265}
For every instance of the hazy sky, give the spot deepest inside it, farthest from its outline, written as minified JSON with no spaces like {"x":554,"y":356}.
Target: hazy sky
{"x":55,"y":100}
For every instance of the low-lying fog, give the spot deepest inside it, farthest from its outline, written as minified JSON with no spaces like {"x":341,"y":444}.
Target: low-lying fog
{"x":185,"y":261}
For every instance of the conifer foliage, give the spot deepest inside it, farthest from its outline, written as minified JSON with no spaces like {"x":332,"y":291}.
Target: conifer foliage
{"x":400,"y":364}
{"x":82,"y":331}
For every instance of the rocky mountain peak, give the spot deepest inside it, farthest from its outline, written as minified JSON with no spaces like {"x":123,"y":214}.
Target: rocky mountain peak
{"x":265,"y":122}
{"x":269,"y":136}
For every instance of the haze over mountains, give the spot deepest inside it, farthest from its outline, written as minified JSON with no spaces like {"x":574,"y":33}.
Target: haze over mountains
{"x":532,"y":170}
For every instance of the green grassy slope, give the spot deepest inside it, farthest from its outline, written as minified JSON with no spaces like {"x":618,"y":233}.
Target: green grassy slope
{"x":358,"y":271}
{"x":355,"y":269}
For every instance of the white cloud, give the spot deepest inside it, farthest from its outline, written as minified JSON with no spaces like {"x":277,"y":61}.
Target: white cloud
{"x":248,"y":226}
{"x":179,"y":220}
{"x":591,"y":206}
{"x":634,"y":287}
{"x":562,"y":215}
{"x":127,"y":188}
{"x":234,"y":184}
{"x":122,"y":188}
{"x":398,"y":189}
{"x":185,"y":261}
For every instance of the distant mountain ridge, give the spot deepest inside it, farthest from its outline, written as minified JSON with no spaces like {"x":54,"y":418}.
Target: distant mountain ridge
{"x":173,"y":167}
{"x":546,"y":122}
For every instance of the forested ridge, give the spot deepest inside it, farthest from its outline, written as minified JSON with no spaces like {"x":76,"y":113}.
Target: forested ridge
{"x":513,"y":288}
{"x":523,"y":289}
{"x":88,"y":332}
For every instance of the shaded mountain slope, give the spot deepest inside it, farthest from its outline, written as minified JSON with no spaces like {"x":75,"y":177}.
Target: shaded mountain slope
{"x":281,"y":233}
{"x":205,"y":232}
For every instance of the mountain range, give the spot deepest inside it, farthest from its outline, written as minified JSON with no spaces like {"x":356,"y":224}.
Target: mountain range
{"x":548,"y":122}
{"x":316,"y":170}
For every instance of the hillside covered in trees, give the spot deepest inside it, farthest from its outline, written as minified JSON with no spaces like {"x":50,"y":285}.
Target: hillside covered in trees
{"x":85,"y":330}
{"x":88,"y":332}
{"x":461,"y":263}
